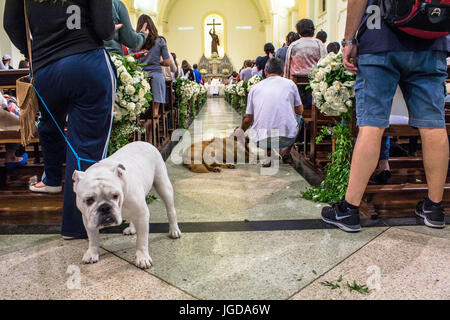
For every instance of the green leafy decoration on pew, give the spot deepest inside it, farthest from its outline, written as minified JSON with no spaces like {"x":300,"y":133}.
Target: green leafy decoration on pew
{"x":334,"y":186}
{"x":333,"y":91}
{"x":188,"y":94}
{"x":133,"y":98}
{"x":244,"y":105}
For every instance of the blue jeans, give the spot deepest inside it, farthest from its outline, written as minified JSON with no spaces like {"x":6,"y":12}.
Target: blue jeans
{"x":283,"y":142}
{"x":421,"y":76}
{"x":81,"y":87}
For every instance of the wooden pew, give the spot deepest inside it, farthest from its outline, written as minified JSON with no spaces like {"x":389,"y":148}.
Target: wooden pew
{"x":8,"y":78}
{"x":407,"y":185}
{"x":408,"y":182}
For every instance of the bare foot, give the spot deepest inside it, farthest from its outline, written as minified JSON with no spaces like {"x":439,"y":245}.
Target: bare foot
{"x":40,"y":185}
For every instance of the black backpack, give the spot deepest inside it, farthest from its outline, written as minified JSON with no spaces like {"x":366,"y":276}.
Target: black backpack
{"x":425,"y":19}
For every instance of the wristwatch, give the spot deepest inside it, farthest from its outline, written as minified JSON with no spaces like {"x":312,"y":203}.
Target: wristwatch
{"x":346,"y":43}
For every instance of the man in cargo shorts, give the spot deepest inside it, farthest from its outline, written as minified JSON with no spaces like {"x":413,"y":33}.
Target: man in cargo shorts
{"x":383,"y":60}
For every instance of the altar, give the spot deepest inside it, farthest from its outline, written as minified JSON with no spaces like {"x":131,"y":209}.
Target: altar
{"x":219,"y":69}
{"x":215,"y":88}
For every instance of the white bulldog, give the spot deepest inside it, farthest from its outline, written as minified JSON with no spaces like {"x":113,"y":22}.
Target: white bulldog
{"x":115,"y":189}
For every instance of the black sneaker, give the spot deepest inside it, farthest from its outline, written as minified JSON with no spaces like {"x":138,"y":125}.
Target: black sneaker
{"x":348,"y":220}
{"x":434,"y":217}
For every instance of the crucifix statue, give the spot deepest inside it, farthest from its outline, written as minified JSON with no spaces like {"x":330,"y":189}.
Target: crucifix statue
{"x":215,"y":38}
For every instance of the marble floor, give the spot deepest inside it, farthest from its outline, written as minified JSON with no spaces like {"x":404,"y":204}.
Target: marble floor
{"x":246,"y":236}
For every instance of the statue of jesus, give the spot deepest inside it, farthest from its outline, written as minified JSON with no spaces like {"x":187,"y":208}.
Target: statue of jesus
{"x":215,"y":42}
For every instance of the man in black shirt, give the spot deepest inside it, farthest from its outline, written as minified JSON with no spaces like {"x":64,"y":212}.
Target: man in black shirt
{"x":75,"y":80}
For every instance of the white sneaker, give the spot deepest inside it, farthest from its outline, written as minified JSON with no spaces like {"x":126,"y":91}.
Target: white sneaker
{"x":46,"y":189}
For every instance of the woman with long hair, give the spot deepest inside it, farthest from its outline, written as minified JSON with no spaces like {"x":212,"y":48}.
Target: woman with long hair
{"x":187,"y":70}
{"x":156,"y":48}
{"x":74,"y":76}
{"x":179,"y":72}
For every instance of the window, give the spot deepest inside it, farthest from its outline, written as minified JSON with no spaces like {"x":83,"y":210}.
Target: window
{"x":214,"y":36}
{"x":322,"y":6}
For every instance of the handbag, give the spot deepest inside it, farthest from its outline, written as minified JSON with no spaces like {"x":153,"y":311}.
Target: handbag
{"x":26,"y":95}
{"x":424,"y":19}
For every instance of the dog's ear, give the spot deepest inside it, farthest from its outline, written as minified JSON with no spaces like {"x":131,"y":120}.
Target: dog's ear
{"x":77,"y":177}
{"x":120,"y":170}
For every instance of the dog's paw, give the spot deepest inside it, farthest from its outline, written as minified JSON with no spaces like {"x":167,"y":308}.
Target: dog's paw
{"x":217,"y":170}
{"x":231,"y":166}
{"x":175,"y":233}
{"x":143,"y":260}
{"x":90,"y":257}
{"x":130,"y":231}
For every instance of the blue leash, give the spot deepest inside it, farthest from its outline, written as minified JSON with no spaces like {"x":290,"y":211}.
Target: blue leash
{"x":65,"y":138}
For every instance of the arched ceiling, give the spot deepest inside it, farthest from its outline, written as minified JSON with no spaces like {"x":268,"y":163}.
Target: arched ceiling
{"x":263,"y":8}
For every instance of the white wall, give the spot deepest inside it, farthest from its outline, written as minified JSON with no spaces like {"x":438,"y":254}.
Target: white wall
{"x":332,"y":21}
{"x":6,"y":46}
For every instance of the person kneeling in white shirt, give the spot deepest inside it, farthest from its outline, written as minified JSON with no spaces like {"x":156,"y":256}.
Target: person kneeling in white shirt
{"x":274,"y":110}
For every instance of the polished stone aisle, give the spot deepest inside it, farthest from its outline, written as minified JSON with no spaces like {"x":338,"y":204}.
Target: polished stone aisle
{"x":246,"y":236}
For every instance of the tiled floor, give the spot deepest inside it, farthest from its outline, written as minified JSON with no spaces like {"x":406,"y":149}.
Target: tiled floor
{"x":396,"y":263}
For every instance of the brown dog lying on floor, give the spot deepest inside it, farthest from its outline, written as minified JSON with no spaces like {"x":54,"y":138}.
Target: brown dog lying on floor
{"x":216,"y":154}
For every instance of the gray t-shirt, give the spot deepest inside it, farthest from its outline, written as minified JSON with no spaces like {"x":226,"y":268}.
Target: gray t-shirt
{"x":246,"y":74}
{"x":153,"y":58}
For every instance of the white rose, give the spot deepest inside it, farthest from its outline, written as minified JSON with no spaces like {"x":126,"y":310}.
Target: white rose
{"x":335,"y":66}
{"x":337,"y":85}
{"x":125,"y":77}
{"x":130,"y":90}
{"x":130,"y":59}
{"x":142,"y":101}
{"x":349,"y":84}
{"x":131,"y":106}
{"x":323,"y":86}
{"x":121,"y":69}
{"x":141,"y":93}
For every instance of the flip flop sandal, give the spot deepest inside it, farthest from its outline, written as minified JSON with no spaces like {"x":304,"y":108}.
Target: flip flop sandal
{"x":45,"y":189}
{"x":13,"y":165}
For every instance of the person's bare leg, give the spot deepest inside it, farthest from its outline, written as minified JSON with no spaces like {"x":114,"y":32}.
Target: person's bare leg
{"x":364,"y":163}
{"x":435,"y":148}
{"x":156,"y":107}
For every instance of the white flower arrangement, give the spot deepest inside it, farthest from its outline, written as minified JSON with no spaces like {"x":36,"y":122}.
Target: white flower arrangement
{"x":133,"y":96}
{"x":253,"y":82}
{"x":332,"y":86}
{"x":133,"y":90}
{"x":241,"y":88}
{"x":190,"y":89}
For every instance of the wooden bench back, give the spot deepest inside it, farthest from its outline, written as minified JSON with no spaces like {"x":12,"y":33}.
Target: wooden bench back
{"x":8,"y":78}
